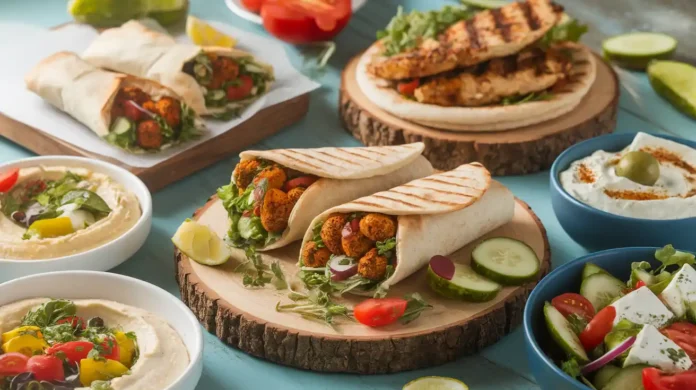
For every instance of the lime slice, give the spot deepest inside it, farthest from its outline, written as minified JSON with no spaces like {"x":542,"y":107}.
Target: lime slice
{"x":435,"y":383}
{"x":636,"y":50}
{"x":201,"y":244}
{"x":203,"y":34}
{"x":676,"y":82}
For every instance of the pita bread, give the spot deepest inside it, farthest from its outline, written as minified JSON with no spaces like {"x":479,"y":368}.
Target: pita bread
{"x":486,"y":118}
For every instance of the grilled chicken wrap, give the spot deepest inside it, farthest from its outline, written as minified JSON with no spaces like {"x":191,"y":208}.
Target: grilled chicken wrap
{"x":371,"y":243}
{"x":214,"y":81}
{"x":132,"y":113}
{"x":275,"y":194}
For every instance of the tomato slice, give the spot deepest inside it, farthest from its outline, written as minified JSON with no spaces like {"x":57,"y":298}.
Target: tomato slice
{"x":236,"y":92}
{"x":571,"y":303}
{"x":302,"y":181}
{"x":408,"y":88}
{"x":46,"y":368}
{"x":13,"y":363}
{"x":304,"y":21}
{"x":252,"y":5}
{"x":684,"y":335}
{"x":653,"y":379}
{"x":379,"y":312}
{"x":110,"y":349}
{"x":74,"y":321}
{"x":8,"y":179}
{"x":599,"y":326}
{"x":73,"y":351}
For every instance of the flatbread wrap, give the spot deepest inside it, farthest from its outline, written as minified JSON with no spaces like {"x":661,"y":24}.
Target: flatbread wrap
{"x":214,"y":81}
{"x":132,"y":113}
{"x":369,"y":244}
{"x":274,"y":194}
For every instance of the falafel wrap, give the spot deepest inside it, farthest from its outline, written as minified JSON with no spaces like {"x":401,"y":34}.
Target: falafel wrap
{"x":365,"y":246}
{"x":275,"y":194}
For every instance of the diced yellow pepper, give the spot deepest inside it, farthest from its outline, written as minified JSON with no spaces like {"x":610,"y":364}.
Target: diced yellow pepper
{"x":126,"y":347}
{"x":32,"y":330}
{"x":25,"y":344}
{"x":53,"y":227}
{"x":100,"y":370}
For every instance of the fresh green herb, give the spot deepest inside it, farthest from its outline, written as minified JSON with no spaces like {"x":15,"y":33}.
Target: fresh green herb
{"x":86,"y":200}
{"x":416,"y":305}
{"x":316,"y":234}
{"x":316,"y":305}
{"x":568,"y":31}
{"x":577,"y":323}
{"x":669,"y":256}
{"x":530,"y":97}
{"x":61,"y":333}
{"x":10,"y":205}
{"x":386,"y":248}
{"x":258,"y":274}
{"x":572,"y":368}
{"x":49,"y":313}
{"x":189,"y":128}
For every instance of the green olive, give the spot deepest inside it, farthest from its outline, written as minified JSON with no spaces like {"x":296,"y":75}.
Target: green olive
{"x":640,"y":167}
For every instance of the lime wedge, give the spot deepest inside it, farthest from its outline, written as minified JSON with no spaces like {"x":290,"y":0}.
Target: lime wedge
{"x":201,"y":244}
{"x":435,"y":383}
{"x":203,"y":34}
{"x":636,"y":50}
{"x":676,"y":82}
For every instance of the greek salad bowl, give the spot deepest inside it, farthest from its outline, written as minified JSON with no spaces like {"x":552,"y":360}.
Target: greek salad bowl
{"x":89,"y":329}
{"x":614,"y":320}
{"x":596,"y":229}
{"x":105,"y":213}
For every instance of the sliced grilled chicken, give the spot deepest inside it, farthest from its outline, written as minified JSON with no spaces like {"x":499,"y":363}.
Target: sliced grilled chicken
{"x":532,"y":70}
{"x":489,"y":34}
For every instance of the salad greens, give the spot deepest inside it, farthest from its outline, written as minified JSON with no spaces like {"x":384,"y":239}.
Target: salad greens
{"x":49,"y":313}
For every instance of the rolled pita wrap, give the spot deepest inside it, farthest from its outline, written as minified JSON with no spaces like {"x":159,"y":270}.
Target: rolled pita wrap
{"x":96,"y":98}
{"x":275,"y":194}
{"x":387,"y":236}
{"x":203,"y":76}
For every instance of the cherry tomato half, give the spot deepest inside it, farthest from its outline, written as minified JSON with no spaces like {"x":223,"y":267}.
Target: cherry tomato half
{"x":653,"y":379}
{"x":304,"y":21}
{"x":13,"y":363}
{"x":252,"y":5}
{"x":379,"y":312}
{"x":408,"y":88}
{"x":302,"y":181}
{"x":236,"y":92}
{"x":684,"y":334}
{"x":46,"y":368}
{"x":110,"y":349}
{"x":8,"y":179}
{"x":571,"y":303}
{"x":74,"y":321}
{"x":74,"y":351}
{"x":599,"y":326}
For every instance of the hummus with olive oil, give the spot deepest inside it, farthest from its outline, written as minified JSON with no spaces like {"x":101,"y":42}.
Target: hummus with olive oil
{"x":593,"y":181}
{"x":124,"y":213}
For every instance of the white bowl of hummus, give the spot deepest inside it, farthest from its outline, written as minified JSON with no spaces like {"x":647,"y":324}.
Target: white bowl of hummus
{"x":110,"y":331}
{"x":69,"y":213}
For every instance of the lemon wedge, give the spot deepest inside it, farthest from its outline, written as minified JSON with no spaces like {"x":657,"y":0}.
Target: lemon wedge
{"x":435,"y":383}
{"x":201,"y":244}
{"x":203,"y":34}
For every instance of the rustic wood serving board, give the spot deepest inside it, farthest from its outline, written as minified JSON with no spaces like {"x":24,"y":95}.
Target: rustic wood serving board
{"x":246,"y":319}
{"x":509,"y":152}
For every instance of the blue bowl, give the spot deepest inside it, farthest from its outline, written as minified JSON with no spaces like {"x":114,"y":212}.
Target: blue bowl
{"x":541,"y":349}
{"x":596,"y":229}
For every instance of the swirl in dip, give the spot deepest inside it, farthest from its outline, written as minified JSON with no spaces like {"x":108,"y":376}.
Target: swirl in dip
{"x":594,"y":180}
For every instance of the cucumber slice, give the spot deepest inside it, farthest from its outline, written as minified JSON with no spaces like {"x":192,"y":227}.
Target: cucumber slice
{"x":643,"y":275}
{"x":465,"y":284}
{"x":505,"y":260}
{"x":601,"y":289}
{"x":636,"y":50}
{"x":628,"y":378}
{"x":121,"y":125}
{"x":590,"y":269}
{"x":604,"y":375}
{"x":691,"y":312}
{"x":676,"y":82}
{"x":563,"y":334}
{"x":435,"y":383}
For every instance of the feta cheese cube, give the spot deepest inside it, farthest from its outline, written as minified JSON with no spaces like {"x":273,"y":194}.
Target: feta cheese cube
{"x":654,"y":349}
{"x":642,"y":307}
{"x":681,"y":291}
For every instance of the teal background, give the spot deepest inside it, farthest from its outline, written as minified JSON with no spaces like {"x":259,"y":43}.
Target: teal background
{"x":500,"y":367}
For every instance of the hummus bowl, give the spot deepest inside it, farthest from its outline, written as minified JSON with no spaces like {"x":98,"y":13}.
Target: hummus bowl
{"x":596,"y":229}
{"x":122,"y":297}
{"x":102,"y":255}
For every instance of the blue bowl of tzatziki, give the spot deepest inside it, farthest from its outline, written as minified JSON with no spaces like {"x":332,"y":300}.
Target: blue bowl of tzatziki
{"x":627,"y":190}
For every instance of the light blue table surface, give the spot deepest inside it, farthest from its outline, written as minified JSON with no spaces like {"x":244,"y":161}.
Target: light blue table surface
{"x":500,"y":367}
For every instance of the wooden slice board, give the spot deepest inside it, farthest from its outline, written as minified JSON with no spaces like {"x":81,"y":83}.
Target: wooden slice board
{"x":246,"y":319}
{"x":510,"y":152}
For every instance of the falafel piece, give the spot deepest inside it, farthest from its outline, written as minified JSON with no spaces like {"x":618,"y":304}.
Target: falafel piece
{"x":275,"y":211}
{"x":356,"y":244}
{"x":169,"y":109}
{"x":226,"y":68}
{"x":244,"y":173}
{"x":378,"y":227}
{"x":314,"y":257}
{"x":275,"y":174}
{"x":373,"y":266}
{"x":331,"y":232}
{"x":150,"y":106}
{"x":133,"y":93}
{"x":149,"y":134}
{"x":295,"y":194}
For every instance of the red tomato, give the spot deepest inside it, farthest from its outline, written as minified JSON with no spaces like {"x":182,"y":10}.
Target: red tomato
{"x":13,"y":363}
{"x":110,"y":349}
{"x":355,"y":225}
{"x":74,"y":351}
{"x":8,"y":179}
{"x":408,"y":88}
{"x":252,"y":5}
{"x":684,"y":334}
{"x":236,"y":92}
{"x":302,"y":181}
{"x":74,"y":321}
{"x":599,"y":326}
{"x":46,"y":368}
{"x":653,"y":379}
{"x":304,"y":21}
{"x":132,"y":112}
{"x":379,"y":312}
{"x":571,"y":303}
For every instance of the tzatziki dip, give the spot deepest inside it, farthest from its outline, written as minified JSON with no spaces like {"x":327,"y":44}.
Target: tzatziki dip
{"x":653,"y":178}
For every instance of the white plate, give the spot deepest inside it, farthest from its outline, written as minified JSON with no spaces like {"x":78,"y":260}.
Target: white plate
{"x":122,"y":289}
{"x":102,"y":258}
{"x":237,"y":7}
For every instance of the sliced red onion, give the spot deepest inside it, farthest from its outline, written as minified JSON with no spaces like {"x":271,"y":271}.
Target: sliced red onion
{"x":442,"y":266}
{"x":609,"y":356}
{"x":347,"y":230}
{"x":342,"y":271}
{"x":259,"y":192}
{"x":136,"y":105}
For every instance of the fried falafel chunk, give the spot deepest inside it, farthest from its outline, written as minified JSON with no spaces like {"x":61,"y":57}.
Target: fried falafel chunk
{"x":135,"y":94}
{"x":295,"y":194}
{"x":356,"y":244}
{"x":331,"y":232}
{"x":170,"y":110}
{"x":378,"y":227}
{"x":149,"y":134}
{"x":315,"y":257}
{"x":275,"y":211}
{"x":226,"y":68}
{"x":150,"y":106}
{"x":244,"y":173}
{"x":276,"y":176}
{"x":373,"y":266}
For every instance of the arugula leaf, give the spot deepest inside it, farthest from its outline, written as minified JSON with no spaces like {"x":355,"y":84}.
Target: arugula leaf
{"x":49,"y":313}
{"x":670,"y":256}
{"x":86,"y":200}
{"x":416,"y":305}
{"x":386,"y":247}
{"x":569,"y":31}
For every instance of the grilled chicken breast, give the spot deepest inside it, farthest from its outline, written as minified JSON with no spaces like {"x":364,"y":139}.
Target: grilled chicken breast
{"x":489,"y":34}
{"x":532,"y":70}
